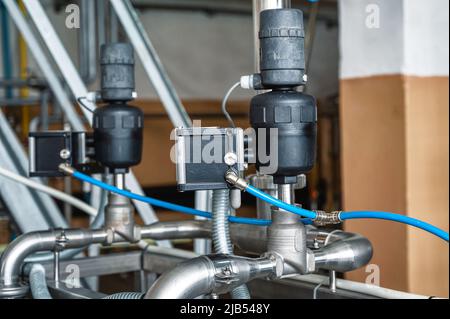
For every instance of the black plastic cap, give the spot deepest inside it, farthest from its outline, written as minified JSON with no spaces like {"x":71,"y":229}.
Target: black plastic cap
{"x":117,"y":72}
{"x":282,"y":52}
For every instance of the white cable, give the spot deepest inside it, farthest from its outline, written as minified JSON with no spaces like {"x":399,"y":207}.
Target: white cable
{"x":224,"y":104}
{"x":50,"y":191}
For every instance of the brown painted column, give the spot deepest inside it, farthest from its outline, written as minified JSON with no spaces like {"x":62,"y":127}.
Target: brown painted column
{"x":394,"y":109}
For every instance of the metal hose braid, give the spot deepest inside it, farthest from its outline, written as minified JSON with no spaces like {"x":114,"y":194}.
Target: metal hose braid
{"x":221,"y":234}
{"x":125,"y":295}
{"x":38,"y":282}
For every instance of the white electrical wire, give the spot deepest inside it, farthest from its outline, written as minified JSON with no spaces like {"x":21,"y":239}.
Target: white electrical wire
{"x":50,"y":191}
{"x":224,"y":104}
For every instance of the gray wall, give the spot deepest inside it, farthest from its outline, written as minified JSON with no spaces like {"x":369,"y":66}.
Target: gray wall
{"x":204,"y":54}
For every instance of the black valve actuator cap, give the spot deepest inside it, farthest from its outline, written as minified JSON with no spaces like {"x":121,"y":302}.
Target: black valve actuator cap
{"x":117,"y":72}
{"x":282,"y":48}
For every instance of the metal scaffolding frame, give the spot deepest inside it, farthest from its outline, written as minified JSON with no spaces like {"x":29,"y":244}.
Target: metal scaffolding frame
{"x":30,"y":210}
{"x":78,"y":88}
{"x":164,"y":88}
{"x":144,"y":48}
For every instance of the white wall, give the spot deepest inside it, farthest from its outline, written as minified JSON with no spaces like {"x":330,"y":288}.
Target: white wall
{"x":412,"y":38}
{"x":426,"y":27}
{"x":205,"y":54}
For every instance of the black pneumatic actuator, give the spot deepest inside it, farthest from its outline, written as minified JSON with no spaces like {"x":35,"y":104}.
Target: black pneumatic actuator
{"x":118,"y":127}
{"x":288,"y":121}
{"x":292,"y":114}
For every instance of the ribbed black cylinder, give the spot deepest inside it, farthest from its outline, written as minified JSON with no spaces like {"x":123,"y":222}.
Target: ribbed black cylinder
{"x":294,"y":116}
{"x":118,"y":136}
{"x":282,"y":56}
{"x":117,"y":72}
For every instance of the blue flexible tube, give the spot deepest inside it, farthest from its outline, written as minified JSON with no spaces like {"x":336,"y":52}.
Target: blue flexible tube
{"x":310,"y":215}
{"x":276,"y":202}
{"x":397,"y":218}
{"x":351,"y":215}
{"x":166,"y":205}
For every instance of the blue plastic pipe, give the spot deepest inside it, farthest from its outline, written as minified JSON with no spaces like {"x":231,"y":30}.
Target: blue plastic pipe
{"x":351,"y":215}
{"x":310,"y":215}
{"x":166,"y":205}
{"x":396,"y":218}
{"x":276,"y":202}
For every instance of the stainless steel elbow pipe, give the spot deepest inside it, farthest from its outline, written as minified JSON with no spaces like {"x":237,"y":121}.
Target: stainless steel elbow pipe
{"x":32,"y":242}
{"x":335,"y":250}
{"x":343,"y":251}
{"x":211,"y":274}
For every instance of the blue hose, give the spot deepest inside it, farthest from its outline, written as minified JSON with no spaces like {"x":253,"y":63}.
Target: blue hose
{"x":166,"y":205}
{"x":276,"y":202}
{"x":350,"y":215}
{"x":396,"y":218}
{"x":310,"y":215}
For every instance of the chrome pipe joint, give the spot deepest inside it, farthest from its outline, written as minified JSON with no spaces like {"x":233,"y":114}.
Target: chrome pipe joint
{"x":29,"y":243}
{"x":212,"y":274}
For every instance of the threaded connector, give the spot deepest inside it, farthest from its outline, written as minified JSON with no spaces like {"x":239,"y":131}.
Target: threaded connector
{"x":234,"y":180}
{"x":66,"y":168}
{"x":323,"y":218}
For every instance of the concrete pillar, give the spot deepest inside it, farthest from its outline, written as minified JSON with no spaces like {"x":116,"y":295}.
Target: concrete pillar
{"x":394,"y":108}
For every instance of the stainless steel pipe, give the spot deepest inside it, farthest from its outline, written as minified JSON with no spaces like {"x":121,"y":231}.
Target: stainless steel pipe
{"x":32,"y":242}
{"x":210,"y":274}
{"x":343,"y":252}
{"x":177,"y":230}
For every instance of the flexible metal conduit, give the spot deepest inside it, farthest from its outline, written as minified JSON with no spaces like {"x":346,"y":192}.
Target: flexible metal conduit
{"x":125,"y":295}
{"x":209,"y":274}
{"x":221,"y":233}
{"x":38,"y":282}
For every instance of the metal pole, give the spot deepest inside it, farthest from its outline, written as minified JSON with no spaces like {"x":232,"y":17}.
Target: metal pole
{"x":332,"y":285}
{"x":59,"y":53}
{"x":87,"y":42}
{"x":101,"y":23}
{"x":286,"y":193}
{"x":113,"y":26}
{"x":45,"y":96}
{"x":258,"y":6}
{"x":56,"y":266}
{"x":161,"y":82}
{"x":44,"y":64}
{"x":119,"y":181}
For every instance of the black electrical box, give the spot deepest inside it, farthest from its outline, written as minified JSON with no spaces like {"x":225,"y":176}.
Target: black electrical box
{"x":204,"y":154}
{"x":47,"y":150}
